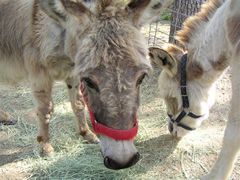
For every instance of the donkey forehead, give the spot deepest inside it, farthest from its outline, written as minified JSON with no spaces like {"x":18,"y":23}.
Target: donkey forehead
{"x":120,"y":70}
{"x":114,"y":48}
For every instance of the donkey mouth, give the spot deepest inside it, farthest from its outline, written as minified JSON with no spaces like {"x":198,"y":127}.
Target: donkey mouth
{"x":118,"y":154}
{"x":112,"y":164}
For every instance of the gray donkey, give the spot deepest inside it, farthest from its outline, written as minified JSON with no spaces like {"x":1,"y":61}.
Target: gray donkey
{"x":96,"y":44}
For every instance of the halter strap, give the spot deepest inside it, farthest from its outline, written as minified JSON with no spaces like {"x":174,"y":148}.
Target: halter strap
{"x":184,"y":95}
{"x":183,"y":81}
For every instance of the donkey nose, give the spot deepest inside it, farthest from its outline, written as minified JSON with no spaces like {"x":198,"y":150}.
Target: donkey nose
{"x":112,"y":164}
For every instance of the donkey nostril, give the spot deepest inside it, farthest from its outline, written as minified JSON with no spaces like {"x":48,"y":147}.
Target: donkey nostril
{"x":112,"y":164}
{"x":106,"y":162}
{"x":134,"y":160}
{"x":170,"y":127}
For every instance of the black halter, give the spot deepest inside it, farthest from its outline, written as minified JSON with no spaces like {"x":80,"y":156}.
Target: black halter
{"x":185,"y":101}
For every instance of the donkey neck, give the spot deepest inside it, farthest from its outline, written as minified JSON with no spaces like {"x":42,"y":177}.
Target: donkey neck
{"x":208,"y":50}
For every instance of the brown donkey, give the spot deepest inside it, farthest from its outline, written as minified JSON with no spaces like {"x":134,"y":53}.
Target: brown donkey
{"x":211,"y":41}
{"x":95,"y":43}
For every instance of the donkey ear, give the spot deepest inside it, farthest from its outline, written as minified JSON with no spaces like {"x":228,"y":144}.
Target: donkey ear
{"x":162,"y":59}
{"x":59,"y":10}
{"x":144,"y":11}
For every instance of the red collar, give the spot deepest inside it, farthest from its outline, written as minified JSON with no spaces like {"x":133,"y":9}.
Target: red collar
{"x":99,"y":128}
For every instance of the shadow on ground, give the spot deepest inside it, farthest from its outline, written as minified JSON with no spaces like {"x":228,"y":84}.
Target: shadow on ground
{"x":87,"y":163}
{"x":7,"y":157}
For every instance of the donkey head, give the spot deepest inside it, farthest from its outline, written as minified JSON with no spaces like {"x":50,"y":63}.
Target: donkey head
{"x":104,"y":41}
{"x":187,"y":106}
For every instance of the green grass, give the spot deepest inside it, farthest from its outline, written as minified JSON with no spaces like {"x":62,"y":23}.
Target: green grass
{"x":166,"y":15}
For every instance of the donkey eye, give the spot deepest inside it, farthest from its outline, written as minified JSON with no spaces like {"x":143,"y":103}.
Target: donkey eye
{"x":140,"y":80}
{"x":90,"y":84}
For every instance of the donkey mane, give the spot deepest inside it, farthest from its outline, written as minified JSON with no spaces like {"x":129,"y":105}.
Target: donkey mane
{"x":102,"y":4}
{"x":192,"y":24}
{"x":190,"y":28}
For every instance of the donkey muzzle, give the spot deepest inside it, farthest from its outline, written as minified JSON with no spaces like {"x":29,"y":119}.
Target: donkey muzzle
{"x":112,"y":164}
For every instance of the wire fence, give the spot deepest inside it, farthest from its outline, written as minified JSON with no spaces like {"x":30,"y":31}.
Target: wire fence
{"x":163,"y":31}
